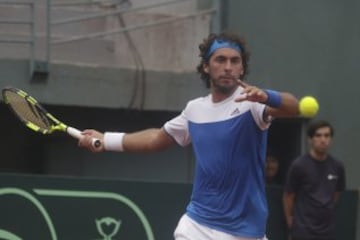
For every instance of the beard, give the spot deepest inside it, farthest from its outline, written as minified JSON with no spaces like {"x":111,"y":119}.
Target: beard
{"x":223,"y":88}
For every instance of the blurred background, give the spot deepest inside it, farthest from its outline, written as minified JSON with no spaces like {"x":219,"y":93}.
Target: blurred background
{"x":125,"y":65}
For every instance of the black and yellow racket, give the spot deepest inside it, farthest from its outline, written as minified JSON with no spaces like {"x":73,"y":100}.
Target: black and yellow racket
{"x":34,"y":116}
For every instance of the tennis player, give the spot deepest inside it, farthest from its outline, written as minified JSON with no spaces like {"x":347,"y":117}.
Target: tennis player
{"x":228,"y":131}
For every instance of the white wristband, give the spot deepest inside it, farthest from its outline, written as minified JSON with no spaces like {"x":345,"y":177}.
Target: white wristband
{"x":113,"y":141}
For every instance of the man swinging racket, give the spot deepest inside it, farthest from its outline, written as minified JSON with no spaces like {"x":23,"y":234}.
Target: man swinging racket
{"x":228,"y":130}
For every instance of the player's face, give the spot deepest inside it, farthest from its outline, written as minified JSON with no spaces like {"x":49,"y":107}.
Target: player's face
{"x":224,"y":68}
{"x":321,"y":141}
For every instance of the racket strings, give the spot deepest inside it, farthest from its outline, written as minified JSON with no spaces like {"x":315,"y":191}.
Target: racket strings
{"x":27,"y":111}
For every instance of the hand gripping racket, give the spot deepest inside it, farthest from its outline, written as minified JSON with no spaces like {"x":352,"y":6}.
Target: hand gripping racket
{"x":35,"y":117}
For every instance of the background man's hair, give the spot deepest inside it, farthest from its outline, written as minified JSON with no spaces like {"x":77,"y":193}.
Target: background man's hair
{"x":315,"y":125}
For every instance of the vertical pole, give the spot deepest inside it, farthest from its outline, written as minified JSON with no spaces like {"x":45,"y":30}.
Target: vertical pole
{"x":216,"y":19}
{"x":32,"y":40}
{"x":224,"y":13}
{"x":48,"y":35}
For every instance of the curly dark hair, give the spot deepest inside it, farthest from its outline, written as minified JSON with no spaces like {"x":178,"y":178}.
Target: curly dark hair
{"x":205,"y":46}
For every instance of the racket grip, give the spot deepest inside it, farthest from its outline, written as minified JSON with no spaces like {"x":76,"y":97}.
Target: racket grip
{"x":77,"y":134}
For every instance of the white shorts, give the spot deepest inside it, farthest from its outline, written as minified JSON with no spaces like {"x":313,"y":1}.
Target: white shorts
{"x":188,"y":229}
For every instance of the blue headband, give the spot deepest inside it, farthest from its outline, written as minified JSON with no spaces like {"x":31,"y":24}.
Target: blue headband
{"x":222,"y":44}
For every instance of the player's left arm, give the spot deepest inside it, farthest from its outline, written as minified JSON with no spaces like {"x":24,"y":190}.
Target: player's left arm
{"x":278,"y":104}
{"x":289,"y":106}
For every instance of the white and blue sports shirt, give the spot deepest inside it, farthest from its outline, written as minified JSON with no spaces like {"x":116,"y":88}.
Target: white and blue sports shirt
{"x":229,"y":140}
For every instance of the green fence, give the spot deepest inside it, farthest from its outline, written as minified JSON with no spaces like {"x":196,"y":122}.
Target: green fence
{"x":43,"y":207}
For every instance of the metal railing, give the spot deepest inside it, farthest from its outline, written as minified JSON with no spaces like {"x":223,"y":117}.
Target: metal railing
{"x":132,"y":28}
{"x":118,"y":12}
{"x":50,"y":24}
{"x":29,"y":22}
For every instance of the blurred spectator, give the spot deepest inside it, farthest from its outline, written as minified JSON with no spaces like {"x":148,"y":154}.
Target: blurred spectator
{"x":272,"y":170}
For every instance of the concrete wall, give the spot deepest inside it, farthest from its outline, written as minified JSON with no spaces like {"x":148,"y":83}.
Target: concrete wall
{"x":302,"y":47}
{"x":165,"y":47}
{"x":103,"y":77}
{"x":140,"y":65}
{"x":309,"y":47}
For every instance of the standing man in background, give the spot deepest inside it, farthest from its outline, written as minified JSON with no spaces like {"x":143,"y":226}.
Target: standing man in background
{"x":228,"y":131}
{"x":313,"y":186}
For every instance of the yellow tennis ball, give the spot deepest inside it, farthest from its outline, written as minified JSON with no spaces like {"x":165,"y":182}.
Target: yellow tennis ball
{"x":308,"y":106}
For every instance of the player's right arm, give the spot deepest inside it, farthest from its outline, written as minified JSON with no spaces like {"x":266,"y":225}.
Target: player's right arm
{"x":149,"y":140}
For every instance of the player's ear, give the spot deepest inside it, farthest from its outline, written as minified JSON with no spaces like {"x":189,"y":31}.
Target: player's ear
{"x":206,"y":68}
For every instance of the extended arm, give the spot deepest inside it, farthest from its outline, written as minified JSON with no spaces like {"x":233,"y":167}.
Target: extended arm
{"x":279,"y":104}
{"x":289,"y":107}
{"x":149,"y":140}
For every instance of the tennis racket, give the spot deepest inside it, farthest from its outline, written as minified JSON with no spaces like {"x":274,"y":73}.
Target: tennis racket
{"x":35,"y":117}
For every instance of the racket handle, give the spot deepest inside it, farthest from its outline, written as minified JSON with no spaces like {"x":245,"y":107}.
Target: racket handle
{"x":77,"y":134}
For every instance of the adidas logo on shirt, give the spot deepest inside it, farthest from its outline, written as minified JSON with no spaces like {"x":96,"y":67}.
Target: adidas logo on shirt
{"x":331,"y":177}
{"x":235,"y":112}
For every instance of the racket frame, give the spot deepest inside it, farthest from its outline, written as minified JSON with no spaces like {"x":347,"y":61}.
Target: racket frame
{"x":54,"y":123}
